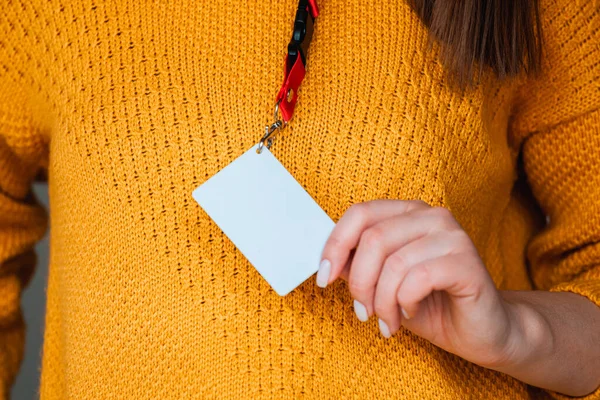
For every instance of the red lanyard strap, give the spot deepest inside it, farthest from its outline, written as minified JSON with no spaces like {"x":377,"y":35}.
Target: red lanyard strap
{"x":295,"y":69}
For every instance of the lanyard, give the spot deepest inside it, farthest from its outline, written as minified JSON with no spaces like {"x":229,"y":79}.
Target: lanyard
{"x":294,"y":70}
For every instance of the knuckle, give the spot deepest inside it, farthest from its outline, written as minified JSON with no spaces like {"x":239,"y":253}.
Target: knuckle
{"x":332,"y":247}
{"x":400,"y":297}
{"x":422,"y":274}
{"x":380,"y":306}
{"x":357,"y":211}
{"x":460,"y":239}
{"x":420,"y":203}
{"x":445,"y":217}
{"x":358,"y":288}
{"x":396,"y":263}
{"x":372,"y":237}
{"x":460,"y":243}
{"x":418,"y":278}
{"x":441,"y":212}
{"x":334,"y":242}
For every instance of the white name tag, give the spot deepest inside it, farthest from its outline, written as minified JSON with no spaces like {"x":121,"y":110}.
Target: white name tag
{"x":269,"y":217}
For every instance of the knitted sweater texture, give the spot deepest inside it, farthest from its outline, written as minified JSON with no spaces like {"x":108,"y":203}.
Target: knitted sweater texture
{"x":127,"y":106}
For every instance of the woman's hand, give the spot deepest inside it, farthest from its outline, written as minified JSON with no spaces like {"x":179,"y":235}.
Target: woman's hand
{"x":413,"y":265}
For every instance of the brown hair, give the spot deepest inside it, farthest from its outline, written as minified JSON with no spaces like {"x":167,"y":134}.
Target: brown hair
{"x":504,"y":35}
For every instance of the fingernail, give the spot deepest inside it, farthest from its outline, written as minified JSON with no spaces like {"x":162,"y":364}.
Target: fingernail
{"x":385,"y":330}
{"x":323,"y":274}
{"x":361,"y":311}
{"x":406,"y":316}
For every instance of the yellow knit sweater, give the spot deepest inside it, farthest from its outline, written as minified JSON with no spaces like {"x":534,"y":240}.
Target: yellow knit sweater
{"x":128,"y":106}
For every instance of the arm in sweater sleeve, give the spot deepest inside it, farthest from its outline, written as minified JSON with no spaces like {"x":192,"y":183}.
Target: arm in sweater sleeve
{"x":22,"y":223}
{"x":558,"y":118}
{"x":23,"y":155}
{"x":563,"y":168}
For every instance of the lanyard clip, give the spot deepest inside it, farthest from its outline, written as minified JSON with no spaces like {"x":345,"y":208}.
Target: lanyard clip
{"x":303,"y":31}
{"x":270,"y":131}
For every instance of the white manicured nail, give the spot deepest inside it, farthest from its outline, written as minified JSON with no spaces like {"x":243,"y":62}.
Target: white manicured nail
{"x":323,"y":274}
{"x":361,"y":311}
{"x":405,"y":314}
{"x":385,"y":330}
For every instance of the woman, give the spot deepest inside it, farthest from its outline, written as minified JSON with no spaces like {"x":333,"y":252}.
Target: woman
{"x":460,"y":178}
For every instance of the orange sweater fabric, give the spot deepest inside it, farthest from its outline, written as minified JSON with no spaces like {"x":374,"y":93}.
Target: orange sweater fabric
{"x":128,"y":106}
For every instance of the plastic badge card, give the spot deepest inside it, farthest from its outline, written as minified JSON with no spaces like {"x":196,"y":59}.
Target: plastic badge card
{"x":269,"y":217}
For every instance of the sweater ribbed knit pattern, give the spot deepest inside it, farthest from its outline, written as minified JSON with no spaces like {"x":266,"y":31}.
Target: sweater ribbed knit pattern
{"x":127,"y":106}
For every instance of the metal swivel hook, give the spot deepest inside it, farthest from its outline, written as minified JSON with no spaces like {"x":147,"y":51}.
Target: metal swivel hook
{"x":270,"y":131}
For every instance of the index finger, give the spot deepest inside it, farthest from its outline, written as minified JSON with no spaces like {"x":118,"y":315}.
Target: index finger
{"x":346,"y":234}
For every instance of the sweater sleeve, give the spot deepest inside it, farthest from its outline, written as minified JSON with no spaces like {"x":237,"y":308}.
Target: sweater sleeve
{"x":563,"y":168}
{"x":22,"y":221}
{"x":558,"y":119}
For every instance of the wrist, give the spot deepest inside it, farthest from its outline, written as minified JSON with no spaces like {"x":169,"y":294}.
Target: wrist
{"x":529,"y":339}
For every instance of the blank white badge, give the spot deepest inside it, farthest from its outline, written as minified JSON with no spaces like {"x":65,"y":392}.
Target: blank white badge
{"x":269,"y":217}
